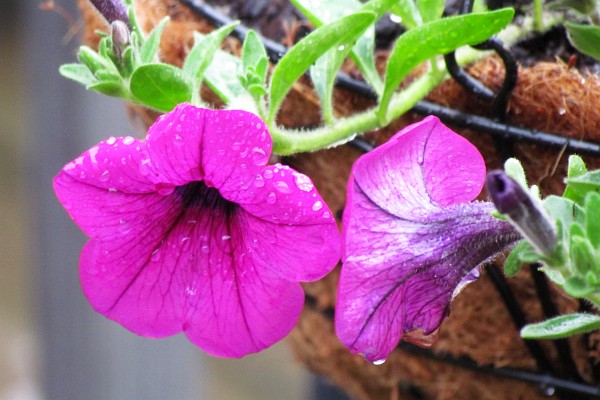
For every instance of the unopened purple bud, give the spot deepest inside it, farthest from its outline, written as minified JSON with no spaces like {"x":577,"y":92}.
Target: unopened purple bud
{"x":513,"y":201}
{"x":112,"y":10}
{"x":120,"y":37}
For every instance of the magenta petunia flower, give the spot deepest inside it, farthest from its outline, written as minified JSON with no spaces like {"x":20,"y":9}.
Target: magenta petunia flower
{"x":411,"y":239}
{"x":192,"y":231}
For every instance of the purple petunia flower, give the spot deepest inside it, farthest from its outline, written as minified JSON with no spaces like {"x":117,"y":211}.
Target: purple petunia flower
{"x":411,"y":239}
{"x":191,"y":231}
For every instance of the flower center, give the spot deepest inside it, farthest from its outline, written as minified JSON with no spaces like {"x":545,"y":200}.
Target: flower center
{"x":197,"y":194}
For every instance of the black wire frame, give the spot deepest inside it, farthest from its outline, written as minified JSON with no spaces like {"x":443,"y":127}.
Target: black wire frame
{"x":546,"y":378}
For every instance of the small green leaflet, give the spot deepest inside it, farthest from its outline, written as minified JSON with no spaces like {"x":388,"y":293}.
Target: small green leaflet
{"x":363,"y":52}
{"x":160,"y":86}
{"x":585,"y":38}
{"x":437,"y":37}
{"x":300,"y":57}
{"x":562,"y":326}
{"x":203,"y":51}
{"x":150,"y":47}
{"x":222,"y":76}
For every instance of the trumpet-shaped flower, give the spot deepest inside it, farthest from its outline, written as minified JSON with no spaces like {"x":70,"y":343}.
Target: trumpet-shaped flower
{"x":192,"y":231}
{"x":411,"y":238}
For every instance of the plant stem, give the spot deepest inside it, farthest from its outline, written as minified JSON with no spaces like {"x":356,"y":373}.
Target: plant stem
{"x":287,"y":142}
{"x":538,"y":16}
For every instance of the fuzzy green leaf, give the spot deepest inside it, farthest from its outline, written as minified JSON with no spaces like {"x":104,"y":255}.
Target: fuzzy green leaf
{"x":592,"y":219}
{"x":300,"y":57}
{"x":585,"y":38}
{"x":437,"y":37}
{"x":254,"y":55}
{"x":150,"y":46}
{"x":202,"y":54}
{"x":363,"y":52}
{"x":562,"y":326}
{"x":78,"y":73}
{"x":431,"y":10}
{"x":513,"y":263}
{"x":110,"y":88}
{"x":160,"y":86}
{"x":408,"y":12}
{"x":578,"y":186}
{"x":222,"y":76}
{"x":576,"y":168}
{"x":323,"y":74}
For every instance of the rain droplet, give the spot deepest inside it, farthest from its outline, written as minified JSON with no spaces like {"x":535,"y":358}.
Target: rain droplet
{"x":127,"y":140}
{"x":225,"y":237}
{"x":317,"y":206}
{"x":82,"y":174}
{"x":155,"y":255}
{"x":379,"y":362}
{"x":282,"y":187}
{"x":303,"y":182}
{"x":111,"y":140}
{"x":562,"y":111}
{"x":259,"y":181}
{"x":271,"y":198}
{"x":268,"y":174}
{"x":185,"y":239}
{"x":341,"y":48}
{"x":112,"y":190}
{"x":326,"y":215}
{"x":105,"y":176}
{"x":204,"y":248}
{"x":259,"y":156}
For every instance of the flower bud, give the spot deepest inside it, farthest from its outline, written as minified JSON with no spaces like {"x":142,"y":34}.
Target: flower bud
{"x":120,"y":38}
{"x":112,"y":10}
{"x":522,"y":211}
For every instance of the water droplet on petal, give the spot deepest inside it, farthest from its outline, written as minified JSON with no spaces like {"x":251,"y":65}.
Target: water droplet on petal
{"x":317,"y":206}
{"x":282,"y":187}
{"x":326,"y":215}
{"x":303,"y":182}
{"x":155,"y":255}
{"x":259,"y":156}
{"x":271,"y":198}
{"x":268,"y":174}
{"x":105,"y":176}
{"x":111,"y":140}
{"x":205,"y":249}
{"x":112,"y":190}
{"x":82,"y":175}
{"x":127,"y":140}
{"x":225,"y":237}
{"x":379,"y":362}
{"x":259,"y":181}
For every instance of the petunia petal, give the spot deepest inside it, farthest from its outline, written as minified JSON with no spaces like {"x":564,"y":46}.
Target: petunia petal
{"x":236,"y":148}
{"x":175,"y":145}
{"x":404,"y":255}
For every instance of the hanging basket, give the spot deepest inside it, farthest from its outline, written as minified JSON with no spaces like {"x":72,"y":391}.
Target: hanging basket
{"x":478,"y":353}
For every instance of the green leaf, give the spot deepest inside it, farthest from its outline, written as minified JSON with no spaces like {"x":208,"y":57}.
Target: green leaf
{"x":408,"y":12}
{"x":254,"y":55}
{"x":514,"y":169}
{"x":363,"y":53}
{"x":202,"y":54}
{"x":150,"y":46}
{"x":579,"y":186}
{"x":300,"y":57}
{"x":110,"y":88}
{"x":323,"y":74}
{"x":92,"y":60}
{"x":562,"y":326}
{"x":576,"y":168}
{"x":431,"y":10}
{"x":513,"y":264}
{"x":585,"y":38}
{"x":222,"y":76}
{"x":77,"y":72}
{"x":583,"y":7}
{"x":437,"y":37}
{"x":160,"y":86}
{"x":592,"y":219}
{"x":566,"y":211}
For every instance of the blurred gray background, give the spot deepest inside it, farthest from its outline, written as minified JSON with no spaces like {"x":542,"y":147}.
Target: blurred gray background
{"x":53,"y":346}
